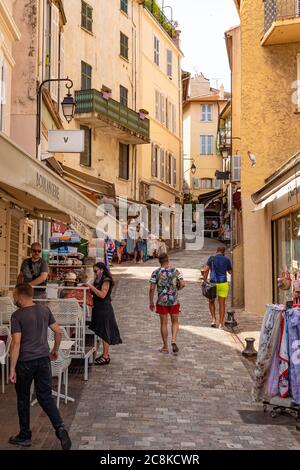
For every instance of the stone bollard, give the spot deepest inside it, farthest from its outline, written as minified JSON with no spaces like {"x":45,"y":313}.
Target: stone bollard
{"x":231,"y":321}
{"x":249,"y":351}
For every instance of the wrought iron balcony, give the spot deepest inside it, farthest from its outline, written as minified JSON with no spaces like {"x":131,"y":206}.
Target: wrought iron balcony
{"x":224,"y":140}
{"x":110,"y":115}
{"x":167,"y":25}
{"x":281,"y":22}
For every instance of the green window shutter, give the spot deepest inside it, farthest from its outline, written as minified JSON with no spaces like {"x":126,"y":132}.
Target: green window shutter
{"x":86,"y":155}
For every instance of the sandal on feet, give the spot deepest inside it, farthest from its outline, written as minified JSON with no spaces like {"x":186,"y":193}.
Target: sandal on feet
{"x":164,"y":351}
{"x":175,"y":348}
{"x":102,"y":361}
{"x":213,"y":325}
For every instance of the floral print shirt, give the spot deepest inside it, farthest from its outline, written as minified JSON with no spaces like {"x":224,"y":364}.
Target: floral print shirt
{"x":166,"y":280}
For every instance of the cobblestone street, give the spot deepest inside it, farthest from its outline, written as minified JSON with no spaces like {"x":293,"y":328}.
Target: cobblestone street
{"x":145,"y":400}
{"x":197,"y":400}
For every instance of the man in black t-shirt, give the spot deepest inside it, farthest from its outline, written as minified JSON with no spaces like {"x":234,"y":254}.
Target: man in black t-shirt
{"x":30,"y":361}
{"x":34,"y":271}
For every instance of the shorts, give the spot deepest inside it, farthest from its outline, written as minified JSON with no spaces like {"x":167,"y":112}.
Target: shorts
{"x":223,"y":290}
{"x":168,"y":309}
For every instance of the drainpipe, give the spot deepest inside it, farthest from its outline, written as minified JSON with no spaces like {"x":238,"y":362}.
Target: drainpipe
{"x":231,"y":213}
{"x":134,"y":97}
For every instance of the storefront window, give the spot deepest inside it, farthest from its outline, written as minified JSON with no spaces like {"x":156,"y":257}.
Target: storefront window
{"x":296,"y":240}
{"x":282,"y":255}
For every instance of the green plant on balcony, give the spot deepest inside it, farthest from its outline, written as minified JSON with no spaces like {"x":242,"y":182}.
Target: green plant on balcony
{"x":156,"y":11}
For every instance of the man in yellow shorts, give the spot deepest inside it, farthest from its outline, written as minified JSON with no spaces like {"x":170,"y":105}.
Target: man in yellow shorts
{"x":218,"y":266}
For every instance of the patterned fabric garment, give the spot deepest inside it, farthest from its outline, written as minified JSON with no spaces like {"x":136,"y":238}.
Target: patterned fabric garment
{"x":166,"y":280}
{"x":293,"y":318}
{"x":268,"y":345}
{"x":284,"y":360}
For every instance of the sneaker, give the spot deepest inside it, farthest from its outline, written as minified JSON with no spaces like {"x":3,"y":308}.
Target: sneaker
{"x":19,"y":441}
{"x":63,"y":436}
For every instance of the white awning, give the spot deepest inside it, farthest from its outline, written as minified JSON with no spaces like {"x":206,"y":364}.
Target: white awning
{"x":277,"y":193}
{"x":39,"y":190}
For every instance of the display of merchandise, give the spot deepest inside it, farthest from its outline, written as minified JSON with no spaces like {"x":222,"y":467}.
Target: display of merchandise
{"x":277,"y":371}
{"x":64,"y":256}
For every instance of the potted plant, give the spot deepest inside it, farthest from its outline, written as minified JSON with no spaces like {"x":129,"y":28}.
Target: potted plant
{"x":143,"y":113}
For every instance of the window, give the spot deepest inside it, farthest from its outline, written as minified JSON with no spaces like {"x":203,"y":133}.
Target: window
{"x":160,"y":108}
{"x":154,"y":161}
{"x":171,"y":116}
{"x":169,"y":63}
{"x":206,"y":112}
{"x":206,"y":145}
{"x":298,"y":82}
{"x":236,"y":168}
{"x":124,"y":161}
{"x":206,"y":183}
{"x":86,"y":76}
{"x":124,"y":48}
{"x":171,"y":176}
{"x":3,"y":82}
{"x":86,"y":155}
{"x":196,"y":183}
{"x":124,"y":6}
{"x":162,"y":165}
{"x":86,"y":16}
{"x":54,"y":51}
{"x":156,"y":50}
{"x":123,"y":96}
{"x":217,"y":184}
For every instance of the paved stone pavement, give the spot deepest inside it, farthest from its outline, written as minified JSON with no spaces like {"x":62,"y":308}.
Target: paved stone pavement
{"x":197,"y":400}
{"x":145,"y":400}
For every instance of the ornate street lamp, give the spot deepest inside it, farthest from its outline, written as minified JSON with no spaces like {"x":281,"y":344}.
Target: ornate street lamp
{"x":68,"y":106}
{"x":193,"y":168}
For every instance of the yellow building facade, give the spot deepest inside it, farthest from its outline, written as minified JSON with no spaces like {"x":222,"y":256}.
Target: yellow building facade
{"x":201,"y":114}
{"x":160,"y":164}
{"x":270,"y":130}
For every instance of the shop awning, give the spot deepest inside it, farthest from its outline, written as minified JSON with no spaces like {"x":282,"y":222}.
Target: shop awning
{"x":284,"y":182}
{"x":207,"y":198}
{"x":41,"y":192}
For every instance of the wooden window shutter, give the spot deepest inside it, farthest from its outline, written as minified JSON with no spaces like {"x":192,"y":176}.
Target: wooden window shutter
{"x":162,"y":164}
{"x":54,"y":52}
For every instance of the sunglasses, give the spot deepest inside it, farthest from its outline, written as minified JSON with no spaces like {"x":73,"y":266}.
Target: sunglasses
{"x":36,"y":251}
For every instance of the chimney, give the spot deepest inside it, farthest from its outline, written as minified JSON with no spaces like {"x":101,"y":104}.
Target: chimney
{"x":222,"y":92}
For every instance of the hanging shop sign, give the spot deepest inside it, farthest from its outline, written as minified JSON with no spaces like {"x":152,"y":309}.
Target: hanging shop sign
{"x":65,"y":141}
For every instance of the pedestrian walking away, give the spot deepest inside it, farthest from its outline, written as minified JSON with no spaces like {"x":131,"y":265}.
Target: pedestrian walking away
{"x":34,"y":271}
{"x":104,"y":323}
{"x":30,"y":362}
{"x":168,"y":281}
{"x":218,"y":266}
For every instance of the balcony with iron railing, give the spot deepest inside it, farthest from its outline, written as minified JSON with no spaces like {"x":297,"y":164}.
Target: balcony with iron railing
{"x":223,"y":140}
{"x":153,"y":7}
{"x":97,"y":110}
{"x":281,"y":22}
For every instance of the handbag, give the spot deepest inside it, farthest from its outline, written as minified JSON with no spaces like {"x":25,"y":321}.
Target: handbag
{"x":209,"y":288}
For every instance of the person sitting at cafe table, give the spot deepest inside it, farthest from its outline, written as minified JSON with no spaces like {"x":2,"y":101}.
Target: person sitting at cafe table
{"x":34,"y":271}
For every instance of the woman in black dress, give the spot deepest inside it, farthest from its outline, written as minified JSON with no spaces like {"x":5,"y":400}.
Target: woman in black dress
{"x":104,"y":322}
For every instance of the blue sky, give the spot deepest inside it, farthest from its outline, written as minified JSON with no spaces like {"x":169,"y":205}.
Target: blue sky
{"x":203,"y":23}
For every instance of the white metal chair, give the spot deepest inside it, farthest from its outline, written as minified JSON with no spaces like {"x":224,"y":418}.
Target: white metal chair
{"x":5,"y":334}
{"x":60,"y":367}
{"x":69,"y":314}
{"x":7,"y":308}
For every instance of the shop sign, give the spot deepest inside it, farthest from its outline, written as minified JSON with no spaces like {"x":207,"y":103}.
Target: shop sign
{"x":45,"y":185}
{"x":65,"y":141}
